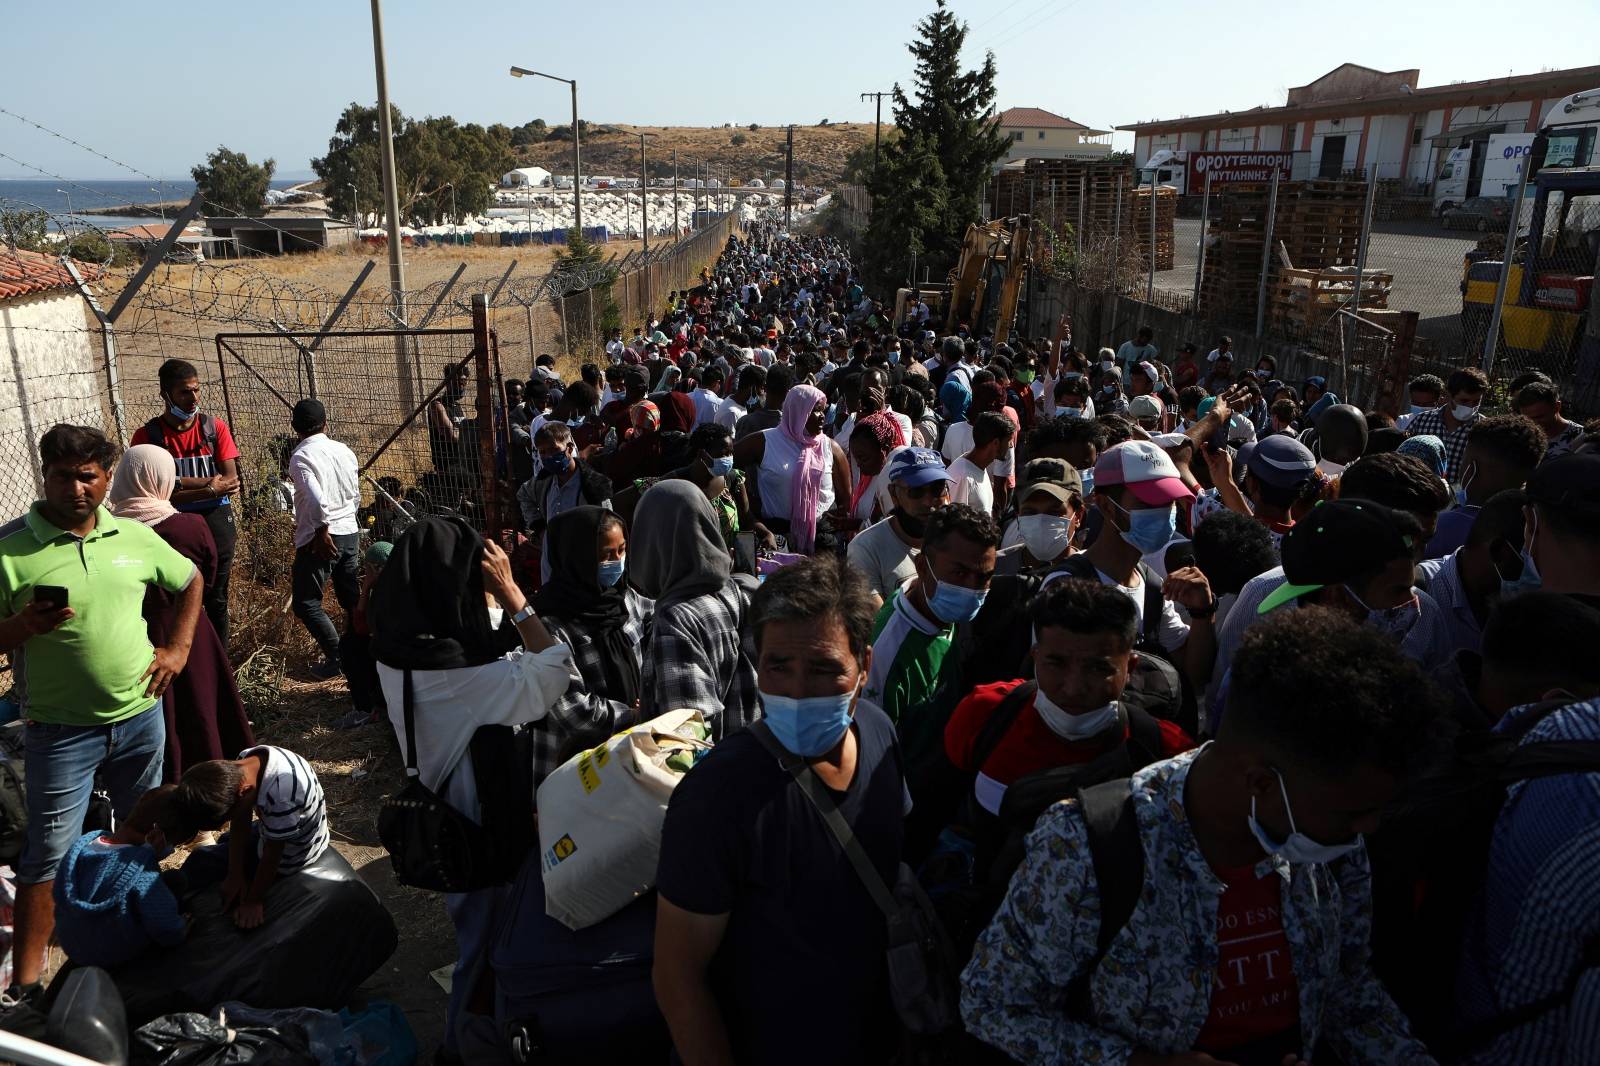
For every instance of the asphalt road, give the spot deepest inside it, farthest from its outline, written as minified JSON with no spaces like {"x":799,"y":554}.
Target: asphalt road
{"x":1424,"y":258}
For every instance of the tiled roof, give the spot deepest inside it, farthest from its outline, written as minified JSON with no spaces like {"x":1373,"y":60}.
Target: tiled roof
{"x":1037,"y":117}
{"x":24,"y":273}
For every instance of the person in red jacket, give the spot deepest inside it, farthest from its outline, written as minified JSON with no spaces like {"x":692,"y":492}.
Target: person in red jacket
{"x":1084,"y":634}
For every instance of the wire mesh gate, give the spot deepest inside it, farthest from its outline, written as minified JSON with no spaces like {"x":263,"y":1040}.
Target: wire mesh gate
{"x":444,"y":454}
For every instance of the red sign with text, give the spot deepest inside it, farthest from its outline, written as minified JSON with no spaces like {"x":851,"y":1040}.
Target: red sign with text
{"x":1237,"y":166}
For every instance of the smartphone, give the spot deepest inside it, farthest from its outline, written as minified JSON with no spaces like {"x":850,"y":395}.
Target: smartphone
{"x":54,"y":595}
{"x":1218,"y":440}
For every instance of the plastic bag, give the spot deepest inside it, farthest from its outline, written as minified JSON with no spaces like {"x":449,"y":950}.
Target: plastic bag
{"x":324,"y":1029}
{"x":195,"y":1040}
{"x":378,"y":1036}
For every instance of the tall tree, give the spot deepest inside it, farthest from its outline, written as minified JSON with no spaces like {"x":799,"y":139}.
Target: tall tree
{"x":230,"y":184}
{"x":930,"y":178}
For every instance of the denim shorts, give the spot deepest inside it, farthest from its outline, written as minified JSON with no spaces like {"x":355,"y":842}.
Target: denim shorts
{"x":61,"y":765}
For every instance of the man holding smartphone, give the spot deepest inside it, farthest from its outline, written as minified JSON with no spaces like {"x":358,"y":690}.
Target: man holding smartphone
{"x":72,"y":585}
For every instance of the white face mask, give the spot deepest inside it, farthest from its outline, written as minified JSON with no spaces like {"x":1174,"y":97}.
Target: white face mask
{"x":1045,"y":535}
{"x":1074,"y":726}
{"x":1462,"y":412}
{"x":1298,"y":848}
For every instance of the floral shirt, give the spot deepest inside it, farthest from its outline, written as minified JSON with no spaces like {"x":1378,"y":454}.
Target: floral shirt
{"x":1152,"y":991}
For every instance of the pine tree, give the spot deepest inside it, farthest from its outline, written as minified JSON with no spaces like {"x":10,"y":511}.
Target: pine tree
{"x":930,"y":181}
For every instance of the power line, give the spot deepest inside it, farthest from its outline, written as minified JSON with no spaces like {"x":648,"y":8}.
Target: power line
{"x":79,"y":144}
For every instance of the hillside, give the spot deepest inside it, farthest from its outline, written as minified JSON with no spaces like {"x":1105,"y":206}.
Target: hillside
{"x":819,"y":151}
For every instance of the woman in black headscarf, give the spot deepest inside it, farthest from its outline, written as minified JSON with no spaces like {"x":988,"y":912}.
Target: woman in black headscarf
{"x":588,"y":606}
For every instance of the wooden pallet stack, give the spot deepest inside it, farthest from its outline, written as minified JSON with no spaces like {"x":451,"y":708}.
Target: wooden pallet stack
{"x":1065,"y":192}
{"x":1166,"y":200}
{"x":1302,"y":301}
{"x":1317,"y":223}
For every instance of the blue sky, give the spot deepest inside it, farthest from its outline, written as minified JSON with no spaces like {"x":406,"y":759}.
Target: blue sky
{"x":270,"y":78}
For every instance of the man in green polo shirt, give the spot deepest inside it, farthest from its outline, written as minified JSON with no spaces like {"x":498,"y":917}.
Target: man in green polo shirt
{"x":72,"y":585}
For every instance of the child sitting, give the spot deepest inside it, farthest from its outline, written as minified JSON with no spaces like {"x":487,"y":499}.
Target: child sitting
{"x":281,"y":790}
{"x":111,"y":899}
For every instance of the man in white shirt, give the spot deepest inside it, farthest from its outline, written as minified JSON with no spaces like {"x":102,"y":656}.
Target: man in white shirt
{"x":1136,"y":351}
{"x":707,"y":398}
{"x":614,"y":346}
{"x":327,"y":539}
{"x":752,"y":381}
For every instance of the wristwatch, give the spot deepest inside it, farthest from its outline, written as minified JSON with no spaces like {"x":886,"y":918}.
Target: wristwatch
{"x":1208,"y":611}
{"x":527,"y":613}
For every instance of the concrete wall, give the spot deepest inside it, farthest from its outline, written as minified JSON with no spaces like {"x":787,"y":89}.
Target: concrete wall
{"x":50,"y":372}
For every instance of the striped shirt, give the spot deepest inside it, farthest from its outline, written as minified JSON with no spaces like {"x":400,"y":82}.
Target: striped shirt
{"x":290,"y":808}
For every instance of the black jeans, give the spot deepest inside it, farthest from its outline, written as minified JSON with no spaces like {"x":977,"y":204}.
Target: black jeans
{"x":361,"y":671}
{"x":225,"y":533}
{"x":311,"y":577}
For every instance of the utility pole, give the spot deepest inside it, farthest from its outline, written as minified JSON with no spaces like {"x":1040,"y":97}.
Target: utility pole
{"x":391,"y":200}
{"x":877,"y":128}
{"x":788,"y":184}
{"x":355,"y":206}
{"x":644,"y":192}
{"x":677,"y":229}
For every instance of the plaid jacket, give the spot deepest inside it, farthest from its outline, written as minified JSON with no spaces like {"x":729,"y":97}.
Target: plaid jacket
{"x":582,"y":710}
{"x":1431,"y":423}
{"x":698,"y":660}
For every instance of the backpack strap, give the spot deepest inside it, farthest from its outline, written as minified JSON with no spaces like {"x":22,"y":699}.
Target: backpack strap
{"x":156,"y":430}
{"x":1153,"y":606}
{"x":1000,"y":722}
{"x":409,"y":717}
{"x":1117,"y":851}
{"x":814,"y":791}
{"x":208,"y":431}
{"x":1144,"y":733}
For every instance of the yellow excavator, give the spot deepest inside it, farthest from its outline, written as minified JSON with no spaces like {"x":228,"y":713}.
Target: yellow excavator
{"x":985,"y":289}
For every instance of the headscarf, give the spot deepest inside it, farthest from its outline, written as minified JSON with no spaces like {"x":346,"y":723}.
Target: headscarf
{"x":574,"y":594}
{"x":805,"y":481}
{"x":677,"y":411}
{"x":954,"y":398}
{"x":428,"y":610}
{"x":1428,"y":448}
{"x":141,"y":489}
{"x":644,"y":417}
{"x":884,"y":429}
{"x":677,"y":547}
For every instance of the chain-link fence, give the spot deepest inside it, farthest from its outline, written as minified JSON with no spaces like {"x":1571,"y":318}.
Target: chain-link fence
{"x":1344,"y":272}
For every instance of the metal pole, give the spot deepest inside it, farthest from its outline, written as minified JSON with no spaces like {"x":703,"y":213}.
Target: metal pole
{"x":1361,"y":266}
{"x":1116,"y":243}
{"x":1082,"y":196}
{"x":1491,"y":342}
{"x":1266,"y":255}
{"x":108,"y":345}
{"x":1200,"y":264}
{"x":577,"y":165}
{"x":391,"y":199}
{"x":788,"y":187}
{"x":644,"y":194}
{"x":1150,"y":287}
{"x":454,"y":217}
{"x":532,"y":355}
{"x":677,"y":229}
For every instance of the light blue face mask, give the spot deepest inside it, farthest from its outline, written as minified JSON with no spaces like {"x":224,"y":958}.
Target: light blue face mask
{"x":894,"y":356}
{"x":611,"y":572}
{"x":1088,"y":481}
{"x":1297,"y":848}
{"x":953,"y":603}
{"x":179,"y":413}
{"x":1461,"y":489}
{"x":809,"y":726}
{"x":1416,"y":410}
{"x":721,"y":466}
{"x":1149,"y":531}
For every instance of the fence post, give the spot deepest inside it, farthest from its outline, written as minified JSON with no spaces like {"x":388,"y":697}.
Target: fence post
{"x":1361,"y":266}
{"x":1150,"y":287}
{"x":1266,"y":256}
{"x":1200,"y":264}
{"x":108,"y":345}
{"x":1492,"y":341}
{"x":1116,"y":242}
{"x":533,"y":354}
{"x":566,"y":334}
{"x":485,"y":375}
{"x":1083,"y":192}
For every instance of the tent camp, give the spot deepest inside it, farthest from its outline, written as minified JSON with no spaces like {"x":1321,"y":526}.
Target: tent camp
{"x":525,"y":176}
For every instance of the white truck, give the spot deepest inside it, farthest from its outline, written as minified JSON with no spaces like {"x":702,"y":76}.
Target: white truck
{"x":1496,"y":161}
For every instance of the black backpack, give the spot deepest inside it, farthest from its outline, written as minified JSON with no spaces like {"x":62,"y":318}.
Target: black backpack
{"x":1435,"y":850}
{"x":156,"y":430}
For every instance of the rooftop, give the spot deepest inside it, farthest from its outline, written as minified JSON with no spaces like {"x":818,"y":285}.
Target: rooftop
{"x":1353,"y":87}
{"x":1038,"y":118}
{"x":24,"y":273}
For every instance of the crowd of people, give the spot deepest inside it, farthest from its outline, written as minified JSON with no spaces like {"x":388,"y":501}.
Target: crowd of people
{"x":1213,"y":718}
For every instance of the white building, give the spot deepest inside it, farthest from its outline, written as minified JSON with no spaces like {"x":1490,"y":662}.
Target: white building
{"x":1034,"y":133}
{"x":524,"y":177}
{"x":1353,"y":117}
{"x":50,"y":367}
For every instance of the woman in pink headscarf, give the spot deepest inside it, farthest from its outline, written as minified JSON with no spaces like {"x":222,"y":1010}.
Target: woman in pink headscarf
{"x":799,"y":473}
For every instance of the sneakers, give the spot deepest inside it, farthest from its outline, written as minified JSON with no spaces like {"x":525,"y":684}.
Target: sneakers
{"x":356,"y":719}
{"x":327,"y":670}
{"x":30,"y":995}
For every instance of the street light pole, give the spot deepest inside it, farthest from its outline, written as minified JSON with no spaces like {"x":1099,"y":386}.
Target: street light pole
{"x":454,"y":218}
{"x":68,"y":194}
{"x":577,"y":144}
{"x":677,"y":230}
{"x":391,"y":197}
{"x":355,"y":206}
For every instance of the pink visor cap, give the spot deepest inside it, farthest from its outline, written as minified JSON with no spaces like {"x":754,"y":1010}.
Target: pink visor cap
{"x":1145,"y":469}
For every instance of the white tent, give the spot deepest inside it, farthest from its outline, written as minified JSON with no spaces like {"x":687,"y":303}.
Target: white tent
{"x":524,"y":176}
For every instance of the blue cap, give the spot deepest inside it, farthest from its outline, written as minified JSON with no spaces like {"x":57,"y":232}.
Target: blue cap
{"x":917,"y":466}
{"x":1280,"y":461}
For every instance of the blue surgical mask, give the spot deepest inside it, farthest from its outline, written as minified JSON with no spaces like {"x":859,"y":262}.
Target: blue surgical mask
{"x":953,"y":603}
{"x":1150,"y":531}
{"x":721,"y":466}
{"x":556,"y":464}
{"x":611,"y":572}
{"x":810,"y":726}
{"x":1392,"y":622}
{"x":1461,"y":489}
{"x":894,"y":356}
{"x":1088,"y":481}
{"x":1527,"y":581}
{"x":1298,"y":848}
{"x":179,"y":413}
{"x":1416,"y":410}
{"x":1070,"y":412}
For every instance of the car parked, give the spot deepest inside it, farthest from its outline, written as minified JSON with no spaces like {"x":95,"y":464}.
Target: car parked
{"x":1481,"y":213}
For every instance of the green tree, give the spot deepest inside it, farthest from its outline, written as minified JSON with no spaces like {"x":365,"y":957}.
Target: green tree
{"x":25,"y":229}
{"x":930,"y":178}
{"x":433,"y":156}
{"x":738,"y":139}
{"x":585,"y":267}
{"x":230,"y":184}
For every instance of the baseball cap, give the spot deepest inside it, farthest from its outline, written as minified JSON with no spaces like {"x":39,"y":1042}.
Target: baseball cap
{"x":1568,"y":483}
{"x":1056,"y":477}
{"x":1148,"y":369}
{"x":378,"y":552}
{"x":1168,"y":440}
{"x":1145,"y":469}
{"x":1340,"y":540}
{"x":1279,"y":461}
{"x":917,"y":466}
{"x":1144,"y":407}
{"x":308,"y":415}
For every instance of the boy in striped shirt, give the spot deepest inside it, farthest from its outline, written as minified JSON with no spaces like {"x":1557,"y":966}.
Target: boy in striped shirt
{"x":278,"y":791}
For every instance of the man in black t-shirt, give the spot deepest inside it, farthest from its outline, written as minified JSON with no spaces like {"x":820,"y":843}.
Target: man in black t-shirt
{"x":762,"y":922}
